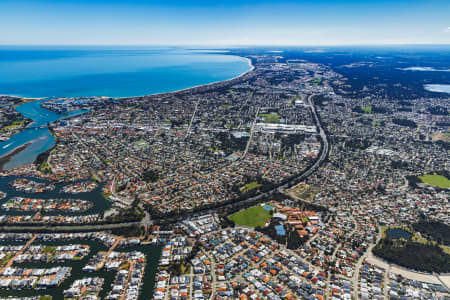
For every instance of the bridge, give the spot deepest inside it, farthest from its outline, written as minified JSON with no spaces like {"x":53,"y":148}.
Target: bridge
{"x":36,"y":126}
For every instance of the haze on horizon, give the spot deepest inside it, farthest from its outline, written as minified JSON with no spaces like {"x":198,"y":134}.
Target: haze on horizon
{"x":224,"y":23}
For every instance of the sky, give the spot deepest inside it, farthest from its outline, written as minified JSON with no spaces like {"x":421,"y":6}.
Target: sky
{"x":224,"y":23}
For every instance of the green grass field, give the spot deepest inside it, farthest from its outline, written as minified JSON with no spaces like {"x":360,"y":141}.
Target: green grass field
{"x":367,"y":109}
{"x":436,"y":180}
{"x":254,"y":216}
{"x":250,"y":186}
{"x":270,"y":118}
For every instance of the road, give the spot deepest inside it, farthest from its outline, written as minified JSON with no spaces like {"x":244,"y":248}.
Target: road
{"x":355,"y":278}
{"x":313,"y":168}
{"x":66,"y":228}
{"x":11,"y":261}
{"x":147,"y":221}
{"x":188,"y":133}
{"x":251,"y":133}
{"x":323,"y":153}
{"x":301,"y":177}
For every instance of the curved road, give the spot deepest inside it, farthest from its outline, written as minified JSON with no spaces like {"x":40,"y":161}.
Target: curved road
{"x":301,"y":177}
{"x":323,"y":154}
{"x":146,"y":221}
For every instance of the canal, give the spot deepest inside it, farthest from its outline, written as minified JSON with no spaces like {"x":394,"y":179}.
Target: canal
{"x":100,"y":203}
{"x":152,"y":253}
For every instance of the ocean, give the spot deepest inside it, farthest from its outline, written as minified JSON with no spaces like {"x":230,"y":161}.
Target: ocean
{"x":98,"y":71}
{"x":114,"y":71}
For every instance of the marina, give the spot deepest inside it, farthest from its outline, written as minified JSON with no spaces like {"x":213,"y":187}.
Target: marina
{"x":151,"y":252}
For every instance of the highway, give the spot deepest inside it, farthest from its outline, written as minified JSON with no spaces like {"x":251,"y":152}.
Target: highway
{"x":323,"y":155}
{"x":148,"y":222}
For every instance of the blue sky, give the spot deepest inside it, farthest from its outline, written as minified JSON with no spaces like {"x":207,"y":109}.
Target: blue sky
{"x":224,"y":23}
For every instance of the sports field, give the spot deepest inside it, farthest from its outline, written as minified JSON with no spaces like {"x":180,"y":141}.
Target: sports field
{"x":253,"y":216}
{"x":270,"y":118}
{"x":436,"y":180}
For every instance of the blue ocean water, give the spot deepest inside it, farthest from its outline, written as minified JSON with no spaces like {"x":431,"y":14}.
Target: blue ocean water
{"x":115,"y":72}
{"x":95,"y":71}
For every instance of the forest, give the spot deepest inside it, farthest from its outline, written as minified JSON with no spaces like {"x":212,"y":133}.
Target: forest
{"x":417,"y":256}
{"x":436,"y":231}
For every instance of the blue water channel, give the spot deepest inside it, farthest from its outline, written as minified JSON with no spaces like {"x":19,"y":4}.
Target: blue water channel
{"x":40,"y":138}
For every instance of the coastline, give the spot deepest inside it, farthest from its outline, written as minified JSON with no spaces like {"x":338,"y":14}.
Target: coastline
{"x":4,"y":159}
{"x":252,"y":68}
{"x":8,"y":156}
{"x":27,"y":99}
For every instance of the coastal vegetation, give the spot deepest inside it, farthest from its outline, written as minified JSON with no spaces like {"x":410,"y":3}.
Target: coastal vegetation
{"x":255,"y":216}
{"x":42,"y":161}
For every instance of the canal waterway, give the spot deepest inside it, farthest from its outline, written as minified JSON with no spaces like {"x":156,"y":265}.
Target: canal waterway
{"x":100,"y":203}
{"x":152,"y":253}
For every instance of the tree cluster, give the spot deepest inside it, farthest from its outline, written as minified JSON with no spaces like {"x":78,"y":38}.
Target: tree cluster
{"x":404,"y":122}
{"x":437,"y":231}
{"x":414,"y":255}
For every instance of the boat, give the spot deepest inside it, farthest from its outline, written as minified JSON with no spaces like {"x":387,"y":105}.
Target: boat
{"x":6,"y":146}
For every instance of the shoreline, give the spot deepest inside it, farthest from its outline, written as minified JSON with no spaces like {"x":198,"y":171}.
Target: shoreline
{"x":8,"y":156}
{"x":4,"y":159}
{"x":252,"y":67}
{"x":28,"y":99}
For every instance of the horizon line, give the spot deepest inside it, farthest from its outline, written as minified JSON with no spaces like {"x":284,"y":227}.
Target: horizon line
{"x":237,"y":45}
